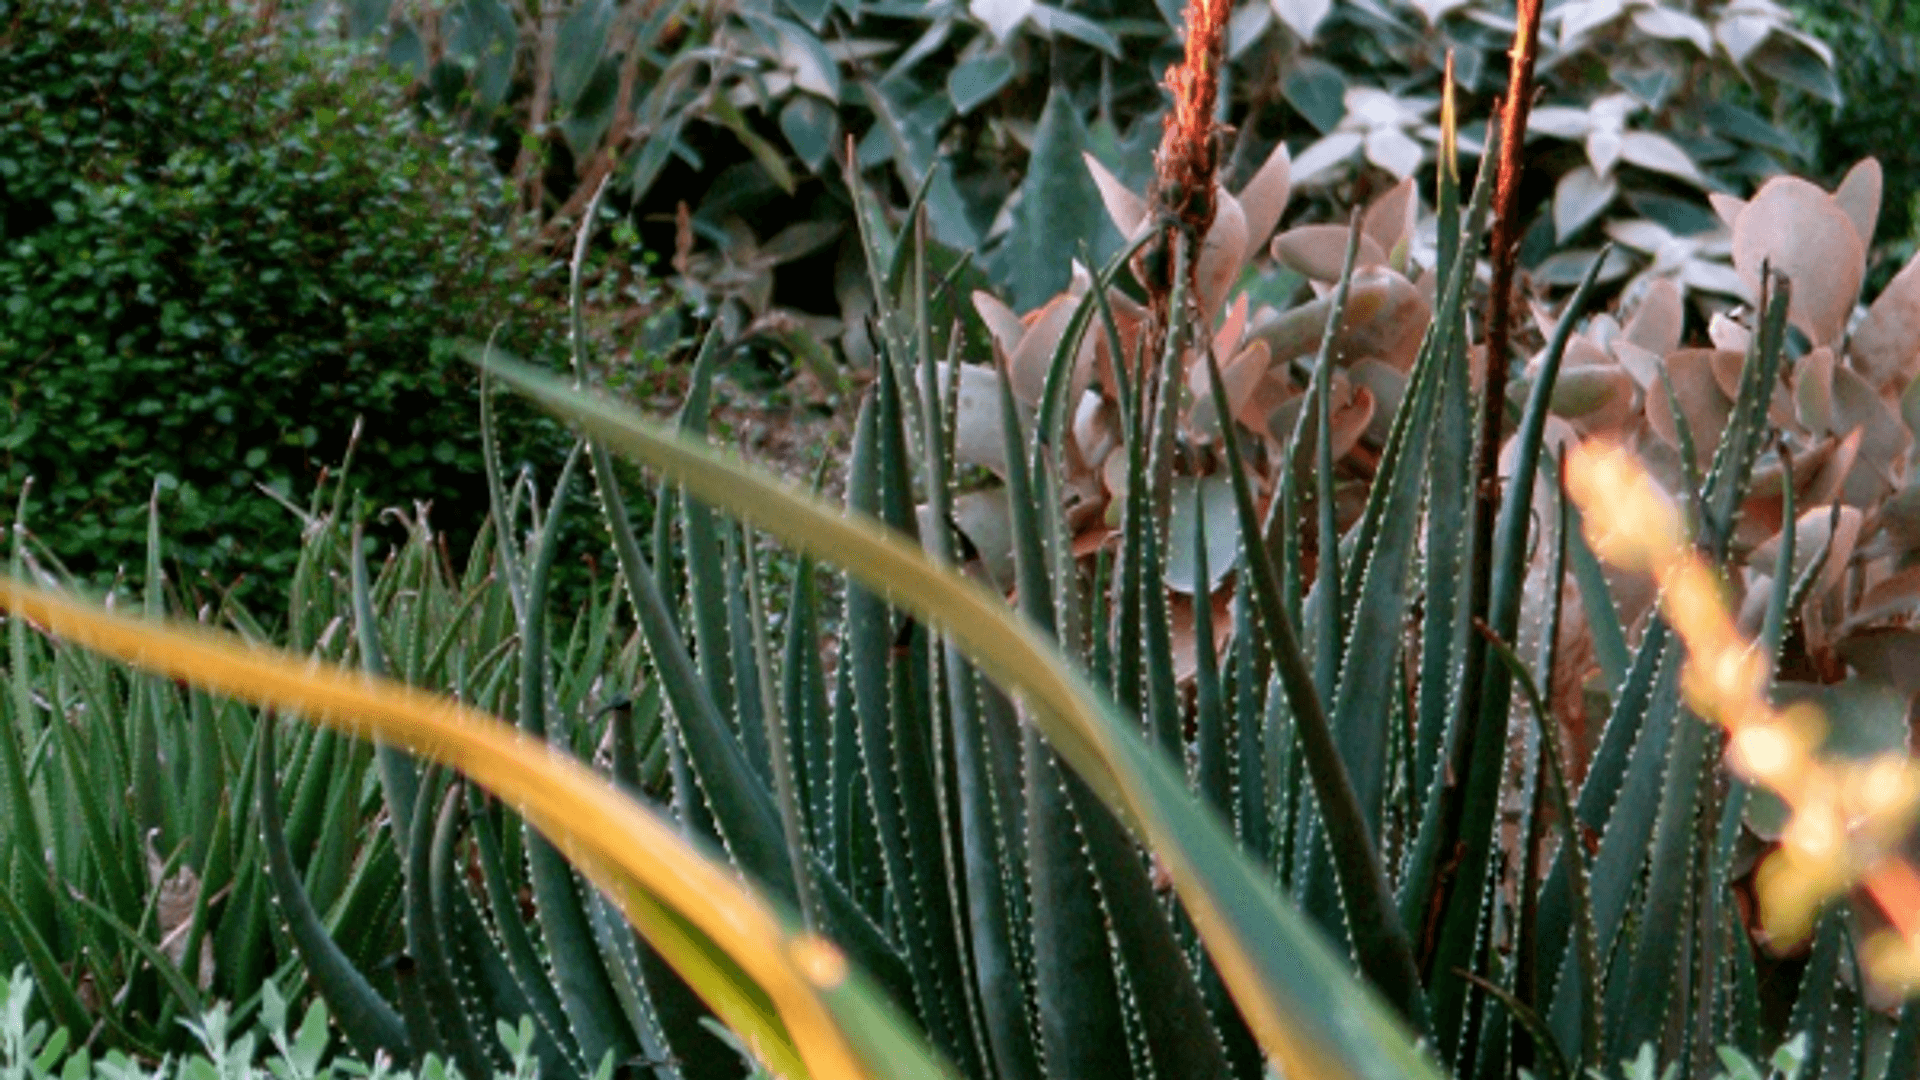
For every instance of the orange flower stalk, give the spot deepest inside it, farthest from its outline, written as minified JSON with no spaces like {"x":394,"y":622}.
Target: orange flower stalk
{"x":1188,"y":154}
{"x":1847,"y":817}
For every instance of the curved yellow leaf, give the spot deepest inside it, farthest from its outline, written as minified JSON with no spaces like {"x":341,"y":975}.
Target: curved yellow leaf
{"x":686,"y":905}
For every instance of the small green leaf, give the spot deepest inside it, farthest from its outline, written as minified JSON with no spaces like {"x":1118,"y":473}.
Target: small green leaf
{"x":974,"y":81}
{"x":811,"y":125}
{"x":1318,"y":92}
{"x":1059,"y":208}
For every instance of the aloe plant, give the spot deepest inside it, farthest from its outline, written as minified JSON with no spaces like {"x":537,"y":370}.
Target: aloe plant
{"x":1333,"y":839}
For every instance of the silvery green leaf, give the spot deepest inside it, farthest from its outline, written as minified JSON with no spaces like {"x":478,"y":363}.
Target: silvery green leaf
{"x":1303,"y":17}
{"x":1671,"y":25}
{"x":811,"y":125}
{"x":1000,"y":17}
{"x":1245,"y":29}
{"x":1559,"y":121}
{"x":1603,"y":148}
{"x":1579,"y":198}
{"x":802,"y":53}
{"x":1322,"y":156}
{"x":1058,"y":22}
{"x":1659,"y":154}
{"x":977,"y":80}
{"x":1584,"y":15}
{"x":1394,"y":150}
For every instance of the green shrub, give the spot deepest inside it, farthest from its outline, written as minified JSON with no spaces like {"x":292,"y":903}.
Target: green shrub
{"x":1877,"y":53}
{"x":219,"y":248}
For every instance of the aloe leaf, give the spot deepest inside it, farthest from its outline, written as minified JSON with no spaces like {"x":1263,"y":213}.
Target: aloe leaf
{"x":1077,"y":995}
{"x":105,"y":850}
{"x":63,"y":1000}
{"x":744,"y":812}
{"x":1163,"y":716}
{"x":895,"y":742}
{"x":985,"y":857}
{"x":1589,"y":1045}
{"x":1446,"y":552}
{"x":1555,"y":1065}
{"x":750,"y":707}
{"x":511,"y":572}
{"x":804,"y":704}
{"x":331,"y":863}
{"x":1814,"y":1006}
{"x":793,"y":998}
{"x":584,"y":984}
{"x":780,"y":751}
{"x":1298,"y":999}
{"x":1385,"y":954}
{"x":1746,"y":430}
{"x":1180,"y":1039}
{"x":1658,"y":949}
{"x":481,"y":965}
{"x":1483,"y":742}
{"x":1029,"y":552}
{"x":1603,"y":619}
{"x":151,"y":809}
{"x":1378,"y":573}
{"x":1625,"y":815}
{"x":1450,"y":556}
{"x":1128,"y":685}
{"x":1903,"y":1055}
{"x":429,"y":926}
{"x":1252,"y":813}
{"x":1328,"y":630}
{"x":1213,"y":747}
{"x":315,"y":774}
{"x":707,"y":593}
{"x":523,"y":960}
{"x":366,"y":1019}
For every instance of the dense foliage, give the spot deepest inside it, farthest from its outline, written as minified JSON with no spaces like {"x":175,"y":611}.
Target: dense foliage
{"x":723,"y":127}
{"x":220,"y":248}
{"x":1877,"y":59}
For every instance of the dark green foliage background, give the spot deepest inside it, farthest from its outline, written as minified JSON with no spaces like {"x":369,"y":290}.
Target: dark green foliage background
{"x":217,"y":250}
{"x":1876,"y":47}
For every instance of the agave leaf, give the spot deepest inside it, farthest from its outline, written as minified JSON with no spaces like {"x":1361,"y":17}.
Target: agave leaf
{"x":896,"y":742}
{"x":369,"y":1023}
{"x":428,"y":930}
{"x":1903,"y":1058}
{"x":1659,"y":953}
{"x":986,"y":852}
{"x":1486,"y":734}
{"x":1302,"y":1006}
{"x":791,"y":995}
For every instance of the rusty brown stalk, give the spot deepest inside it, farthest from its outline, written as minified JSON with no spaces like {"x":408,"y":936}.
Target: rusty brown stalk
{"x":1511,"y":129}
{"x":1188,"y":156}
{"x":1513,"y":112}
{"x":1188,"y":152}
